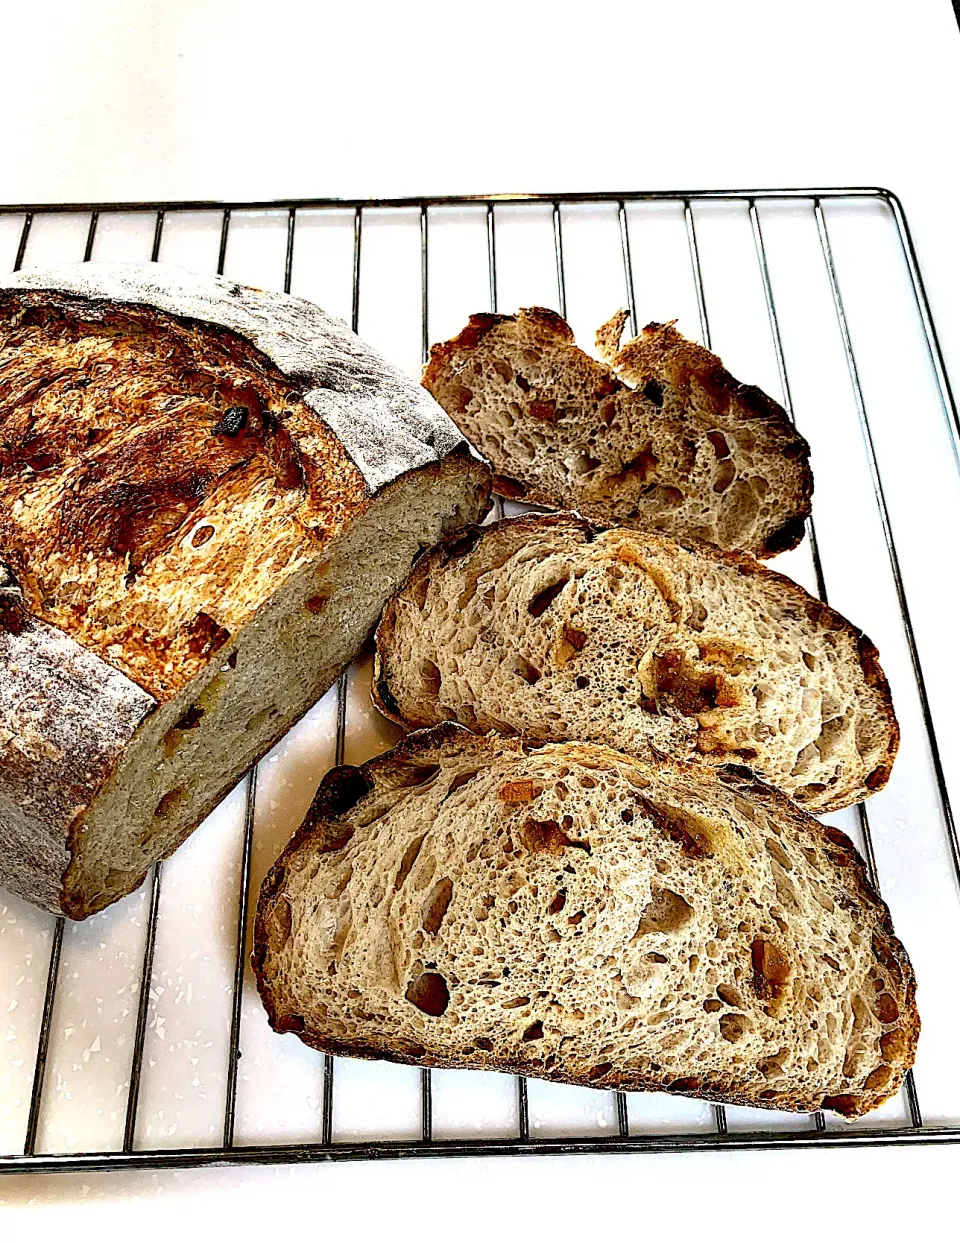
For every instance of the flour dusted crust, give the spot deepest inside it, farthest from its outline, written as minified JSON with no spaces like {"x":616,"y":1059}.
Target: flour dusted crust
{"x":65,"y":717}
{"x":193,"y":476}
{"x":385,"y":422}
{"x":575,"y":914}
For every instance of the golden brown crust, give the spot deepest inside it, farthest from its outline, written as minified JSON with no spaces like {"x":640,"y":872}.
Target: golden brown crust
{"x":326,"y":828}
{"x":793,"y":594}
{"x":136,"y":450}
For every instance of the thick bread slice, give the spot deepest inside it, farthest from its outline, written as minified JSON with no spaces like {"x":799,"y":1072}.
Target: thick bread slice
{"x":207,"y":493}
{"x":579,"y":915}
{"x":688,"y":451}
{"x":544,"y":627}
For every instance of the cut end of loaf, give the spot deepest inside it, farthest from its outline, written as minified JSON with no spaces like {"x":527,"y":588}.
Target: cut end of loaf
{"x":569,"y":913}
{"x":191,"y":752}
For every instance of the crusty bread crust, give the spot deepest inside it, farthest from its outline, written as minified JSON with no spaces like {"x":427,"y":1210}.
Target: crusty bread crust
{"x":65,"y":717}
{"x":409,"y":635}
{"x":688,"y":450}
{"x":179,"y":456}
{"x":343,"y":827}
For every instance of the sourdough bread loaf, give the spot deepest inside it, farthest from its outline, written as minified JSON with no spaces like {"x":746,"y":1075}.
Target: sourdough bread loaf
{"x":207,"y":493}
{"x":545,"y":627}
{"x":687,"y":450}
{"x":578,"y":915}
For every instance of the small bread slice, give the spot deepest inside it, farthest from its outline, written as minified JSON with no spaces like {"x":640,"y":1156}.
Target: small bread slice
{"x":579,"y":915}
{"x":688,"y":451}
{"x":542,"y":626}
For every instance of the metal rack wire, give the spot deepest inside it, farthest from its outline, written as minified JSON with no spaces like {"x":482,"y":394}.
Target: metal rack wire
{"x":325,"y":1147}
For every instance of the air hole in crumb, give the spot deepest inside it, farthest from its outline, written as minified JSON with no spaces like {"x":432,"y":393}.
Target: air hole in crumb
{"x":665,"y":912}
{"x":429,"y":993}
{"x":733,"y":1027}
{"x":201,"y":535}
{"x":458,"y":782}
{"x":430,"y":677}
{"x":343,"y":788}
{"x":887,"y":1008}
{"x":534,"y":1031}
{"x":483,"y":1043}
{"x":281,"y":923}
{"x":726,"y":473}
{"x":547,"y":836}
{"x":581,"y":683}
{"x":170,"y":802}
{"x":408,"y":775}
{"x":777,"y":852}
{"x":436,"y":905}
{"x":316,"y":604}
{"x":408,"y":860}
{"x":557,"y":904}
{"x":711,"y":1005}
{"x":878,"y":1079}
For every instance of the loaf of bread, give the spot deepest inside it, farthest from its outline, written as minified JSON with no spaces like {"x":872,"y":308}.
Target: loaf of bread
{"x":579,"y":915}
{"x":207,"y":493}
{"x":542,"y":626}
{"x":688,"y":450}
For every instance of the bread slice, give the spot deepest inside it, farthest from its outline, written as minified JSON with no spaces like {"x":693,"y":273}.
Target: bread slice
{"x":579,"y":915}
{"x":207,"y":494}
{"x":688,"y":451}
{"x":542,"y":626}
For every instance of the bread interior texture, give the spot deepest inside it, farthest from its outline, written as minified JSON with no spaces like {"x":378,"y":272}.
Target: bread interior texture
{"x":191,"y":751}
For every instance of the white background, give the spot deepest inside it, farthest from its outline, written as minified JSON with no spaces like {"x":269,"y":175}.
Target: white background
{"x":211,"y":99}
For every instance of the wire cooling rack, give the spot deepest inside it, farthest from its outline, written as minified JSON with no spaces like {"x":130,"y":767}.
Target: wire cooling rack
{"x":137,"y":1040}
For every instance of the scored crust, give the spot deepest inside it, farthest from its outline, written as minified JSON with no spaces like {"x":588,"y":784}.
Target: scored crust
{"x":494,"y":667}
{"x":695,"y":825}
{"x":688,"y":450}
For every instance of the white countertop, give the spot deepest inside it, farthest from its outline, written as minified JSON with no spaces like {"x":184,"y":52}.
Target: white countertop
{"x":210,"y":99}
